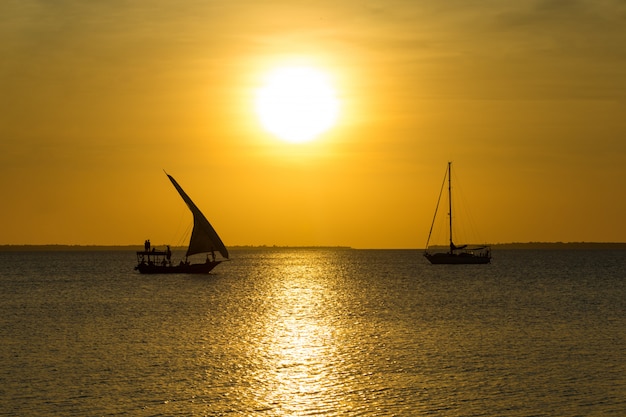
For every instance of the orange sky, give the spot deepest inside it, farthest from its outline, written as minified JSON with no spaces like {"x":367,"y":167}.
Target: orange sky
{"x":528,"y":98}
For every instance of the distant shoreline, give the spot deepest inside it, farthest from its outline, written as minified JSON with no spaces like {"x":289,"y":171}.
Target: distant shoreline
{"x":561,"y":245}
{"x":85,"y":248}
{"x":497,"y":246}
{"x":553,"y":246}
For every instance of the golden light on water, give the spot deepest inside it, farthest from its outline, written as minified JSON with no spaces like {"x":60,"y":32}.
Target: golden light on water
{"x":300,"y":363}
{"x":298,"y":346}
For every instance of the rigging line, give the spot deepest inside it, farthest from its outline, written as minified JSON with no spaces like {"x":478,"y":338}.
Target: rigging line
{"x":437,"y":208}
{"x":186,"y":235}
{"x":181,"y":216}
{"x":468,"y":230}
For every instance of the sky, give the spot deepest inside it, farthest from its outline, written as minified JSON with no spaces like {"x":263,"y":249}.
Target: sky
{"x":97,"y":99}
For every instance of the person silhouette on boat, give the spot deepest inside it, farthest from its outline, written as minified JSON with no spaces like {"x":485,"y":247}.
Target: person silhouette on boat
{"x":146,"y":245}
{"x":168,"y":254}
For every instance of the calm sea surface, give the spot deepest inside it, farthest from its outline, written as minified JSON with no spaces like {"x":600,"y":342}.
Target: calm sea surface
{"x":314,"y":332}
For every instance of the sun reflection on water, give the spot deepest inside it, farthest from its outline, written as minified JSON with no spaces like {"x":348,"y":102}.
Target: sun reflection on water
{"x":298,"y":342}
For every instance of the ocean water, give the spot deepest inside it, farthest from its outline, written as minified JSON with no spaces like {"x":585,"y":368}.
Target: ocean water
{"x":326,"y":332}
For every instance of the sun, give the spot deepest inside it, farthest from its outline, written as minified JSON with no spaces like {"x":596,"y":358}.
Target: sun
{"x":297,"y":104}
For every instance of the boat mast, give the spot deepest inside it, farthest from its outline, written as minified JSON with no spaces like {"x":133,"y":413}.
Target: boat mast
{"x":450,"y":203}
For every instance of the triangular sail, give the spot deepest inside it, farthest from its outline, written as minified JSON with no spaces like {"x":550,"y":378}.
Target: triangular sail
{"x":203,"y":237}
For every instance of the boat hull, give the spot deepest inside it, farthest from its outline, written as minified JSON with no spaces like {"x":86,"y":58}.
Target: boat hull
{"x":204,"y":268}
{"x":457,"y":259}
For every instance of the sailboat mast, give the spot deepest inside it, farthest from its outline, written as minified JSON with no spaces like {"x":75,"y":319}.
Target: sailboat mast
{"x":450,"y":202}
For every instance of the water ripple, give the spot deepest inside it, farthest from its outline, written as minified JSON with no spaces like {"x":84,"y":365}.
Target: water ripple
{"x":315,"y":333}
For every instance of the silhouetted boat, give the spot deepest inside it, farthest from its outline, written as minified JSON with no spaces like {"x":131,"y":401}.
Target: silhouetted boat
{"x":204,"y":239}
{"x":456,"y":254}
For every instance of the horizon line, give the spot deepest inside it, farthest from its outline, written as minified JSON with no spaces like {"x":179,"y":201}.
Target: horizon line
{"x":505,"y":245}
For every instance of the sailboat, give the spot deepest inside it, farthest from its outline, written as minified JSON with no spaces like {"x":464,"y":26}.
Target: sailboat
{"x":462,"y":254}
{"x":204,"y":239}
